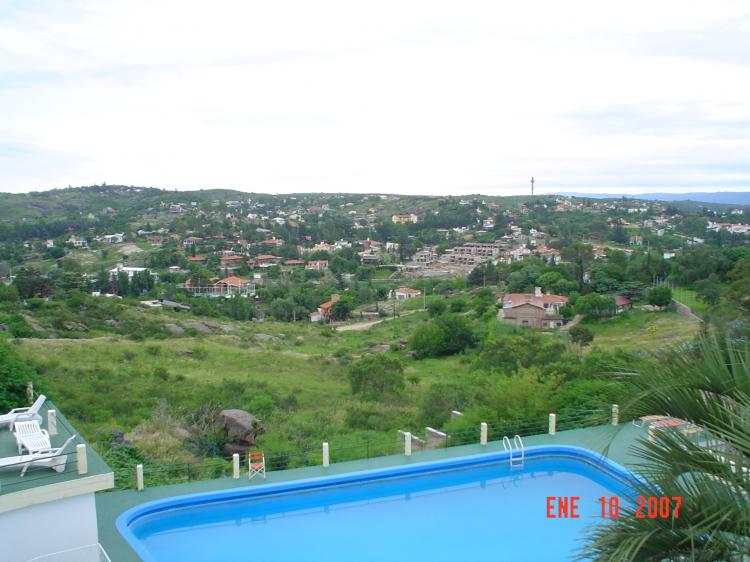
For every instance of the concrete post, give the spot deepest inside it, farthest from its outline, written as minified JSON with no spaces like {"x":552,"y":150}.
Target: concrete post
{"x":483,"y":433}
{"x":236,"y":466}
{"x":81,"y":459}
{"x":407,"y":444}
{"x":552,"y":424}
{"x":139,"y":477}
{"x":326,"y":455}
{"x":615,"y":414}
{"x":52,"y":422}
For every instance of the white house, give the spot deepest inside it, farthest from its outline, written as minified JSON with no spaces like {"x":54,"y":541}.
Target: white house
{"x":119,"y":268}
{"x":404,"y":293}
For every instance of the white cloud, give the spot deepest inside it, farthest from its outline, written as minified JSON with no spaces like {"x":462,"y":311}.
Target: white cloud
{"x":415,"y":97}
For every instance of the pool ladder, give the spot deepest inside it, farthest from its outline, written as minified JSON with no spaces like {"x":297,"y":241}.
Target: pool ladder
{"x":516,"y":461}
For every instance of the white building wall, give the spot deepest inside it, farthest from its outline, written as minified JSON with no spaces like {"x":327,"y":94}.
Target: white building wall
{"x":49,"y":527}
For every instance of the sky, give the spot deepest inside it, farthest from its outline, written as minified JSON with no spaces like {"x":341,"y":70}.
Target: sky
{"x":391,"y":97}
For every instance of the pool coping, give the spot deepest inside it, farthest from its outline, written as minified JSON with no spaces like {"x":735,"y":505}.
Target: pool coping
{"x":124,"y":520}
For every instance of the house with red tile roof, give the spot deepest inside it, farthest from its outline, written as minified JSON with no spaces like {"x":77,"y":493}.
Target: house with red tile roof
{"x":323,"y":314}
{"x":266,"y":260}
{"x":622,"y":303}
{"x":317,"y":265}
{"x":532,"y":310}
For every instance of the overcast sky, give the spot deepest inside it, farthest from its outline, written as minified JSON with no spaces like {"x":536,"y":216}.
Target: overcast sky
{"x":401,"y":97}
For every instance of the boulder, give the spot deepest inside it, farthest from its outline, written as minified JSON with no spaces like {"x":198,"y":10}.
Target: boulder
{"x":199,"y":327}
{"x":230,"y":449}
{"x":173,"y":329}
{"x":241,"y":427}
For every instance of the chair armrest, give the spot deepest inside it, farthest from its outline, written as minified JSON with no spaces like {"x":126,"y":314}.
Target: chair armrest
{"x":19,"y":410}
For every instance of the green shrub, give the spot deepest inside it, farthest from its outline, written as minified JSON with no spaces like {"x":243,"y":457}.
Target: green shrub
{"x":376,"y":376}
{"x":14,"y":374}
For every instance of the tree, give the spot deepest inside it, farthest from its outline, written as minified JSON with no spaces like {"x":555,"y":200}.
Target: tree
{"x":581,"y":256}
{"x":739,"y":283}
{"x":376,"y":376}
{"x":707,"y":387}
{"x":341,"y":309}
{"x":282,"y":310}
{"x":14,"y":374}
{"x":581,"y":335}
{"x":30,"y":282}
{"x":446,"y":335}
{"x":709,"y":290}
{"x":595,"y":305}
{"x":660,"y":296}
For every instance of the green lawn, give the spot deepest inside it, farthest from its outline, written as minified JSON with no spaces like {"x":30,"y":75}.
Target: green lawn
{"x":641,"y":331}
{"x":688,"y":297}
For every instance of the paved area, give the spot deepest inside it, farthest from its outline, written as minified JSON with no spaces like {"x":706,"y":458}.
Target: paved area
{"x":613,"y":442}
{"x":10,"y":476}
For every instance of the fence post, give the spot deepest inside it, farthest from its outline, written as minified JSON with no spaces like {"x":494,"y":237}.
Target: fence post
{"x":81,"y":459}
{"x":552,"y":424}
{"x":326,"y":455}
{"x":483,"y":433}
{"x":139,"y":477}
{"x":30,"y":392}
{"x":615,"y":414}
{"x":52,"y":422}
{"x":407,"y":444}
{"x":236,"y":466}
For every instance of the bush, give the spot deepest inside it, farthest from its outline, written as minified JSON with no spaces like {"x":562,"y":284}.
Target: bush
{"x":8,"y":294}
{"x":376,"y":376}
{"x":660,"y":296}
{"x":14,"y":374}
{"x":446,"y":335}
{"x":437,"y":307}
{"x":581,"y":335}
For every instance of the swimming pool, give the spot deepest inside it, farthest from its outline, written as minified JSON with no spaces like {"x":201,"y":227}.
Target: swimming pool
{"x":470,"y":508}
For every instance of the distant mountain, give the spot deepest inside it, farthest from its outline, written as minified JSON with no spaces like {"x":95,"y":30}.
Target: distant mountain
{"x":720,"y":197}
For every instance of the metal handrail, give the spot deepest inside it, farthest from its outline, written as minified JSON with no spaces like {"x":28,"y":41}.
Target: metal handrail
{"x":508,"y":448}
{"x":519,"y":445}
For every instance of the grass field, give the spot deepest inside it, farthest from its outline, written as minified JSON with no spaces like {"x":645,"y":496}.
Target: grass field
{"x":688,"y":297}
{"x":291,"y":375}
{"x":642,"y":331}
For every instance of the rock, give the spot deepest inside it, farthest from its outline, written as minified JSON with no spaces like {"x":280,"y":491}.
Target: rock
{"x":266,"y":337}
{"x":377,"y":348}
{"x":300,"y":338}
{"x":410,"y":353}
{"x":112,"y":322}
{"x":198,"y":327}
{"x":180,"y":432}
{"x":240,"y":426}
{"x":4,"y":328}
{"x":173,"y":329}
{"x":232,"y":448}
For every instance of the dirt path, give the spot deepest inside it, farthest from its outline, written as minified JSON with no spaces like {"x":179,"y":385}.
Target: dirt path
{"x":365,"y":325}
{"x":357,"y":327}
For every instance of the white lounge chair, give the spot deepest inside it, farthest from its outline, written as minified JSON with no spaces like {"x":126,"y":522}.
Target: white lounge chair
{"x":23,"y":414}
{"x":31,"y":437}
{"x":52,"y":458}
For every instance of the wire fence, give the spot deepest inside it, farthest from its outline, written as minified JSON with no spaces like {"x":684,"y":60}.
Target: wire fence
{"x":375,"y":447}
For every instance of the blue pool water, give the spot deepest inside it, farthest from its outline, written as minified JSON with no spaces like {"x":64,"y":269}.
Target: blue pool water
{"x":474,"y":508}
